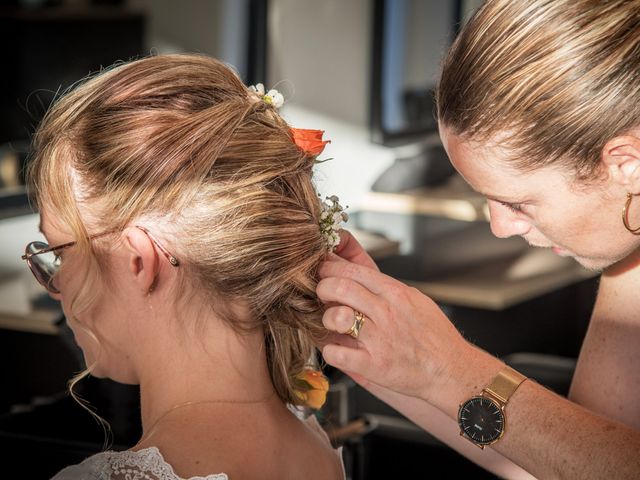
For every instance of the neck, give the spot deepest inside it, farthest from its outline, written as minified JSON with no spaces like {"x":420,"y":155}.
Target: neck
{"x":216,"y":367}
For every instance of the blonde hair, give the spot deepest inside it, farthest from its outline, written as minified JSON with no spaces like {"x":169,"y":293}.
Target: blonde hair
{"x":180,"y":139}
{"x":555,"y":79}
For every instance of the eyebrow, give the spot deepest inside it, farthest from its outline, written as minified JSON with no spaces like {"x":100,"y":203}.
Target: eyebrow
{"x":497,"y":199}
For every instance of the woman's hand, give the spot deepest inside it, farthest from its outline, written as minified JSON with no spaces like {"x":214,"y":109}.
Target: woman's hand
{"x":406,"y":344}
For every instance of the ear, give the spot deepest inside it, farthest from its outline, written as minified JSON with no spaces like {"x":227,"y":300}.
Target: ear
{"x":142,"y":258}
{"x":621,"y":157}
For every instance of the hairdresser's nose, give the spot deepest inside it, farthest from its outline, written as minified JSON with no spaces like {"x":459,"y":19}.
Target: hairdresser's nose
{"x":505,"y":222}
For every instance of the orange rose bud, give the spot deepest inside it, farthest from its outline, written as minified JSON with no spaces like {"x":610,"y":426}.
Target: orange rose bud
{"x":311,"y":388}
{"x":316,"y":398}
{"x":309,"y":141}
{"x":316,"y":379}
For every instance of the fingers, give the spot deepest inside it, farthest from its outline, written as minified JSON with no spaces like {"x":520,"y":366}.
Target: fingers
{"x":346,"y":358}
{"x":373,"y":280}
{"x":338,"y":339}
{"x":351,"y":250}
{"x":345,"y":291}
{"x":340,"y":319}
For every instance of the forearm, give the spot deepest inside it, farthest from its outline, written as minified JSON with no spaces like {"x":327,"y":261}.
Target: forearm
{"x":446,"y":430}
{"x":546,"y":434}
{"x":408,"y":345}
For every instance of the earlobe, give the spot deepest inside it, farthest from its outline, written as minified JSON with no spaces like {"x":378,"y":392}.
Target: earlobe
{"x":621,"y":156}
{"x":142,"y":259}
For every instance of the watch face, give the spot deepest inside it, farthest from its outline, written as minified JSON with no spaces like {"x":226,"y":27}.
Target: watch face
{"x":481,"y":419}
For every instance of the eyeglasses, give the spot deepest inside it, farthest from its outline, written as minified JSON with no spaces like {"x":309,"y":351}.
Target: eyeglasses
{"x":44,"y":261}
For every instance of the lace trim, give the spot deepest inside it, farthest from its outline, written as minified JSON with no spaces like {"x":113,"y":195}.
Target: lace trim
{"x":145,"y":464}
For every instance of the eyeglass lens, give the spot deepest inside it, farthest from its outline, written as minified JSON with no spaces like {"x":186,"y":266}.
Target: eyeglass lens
{"x":44,"y":266}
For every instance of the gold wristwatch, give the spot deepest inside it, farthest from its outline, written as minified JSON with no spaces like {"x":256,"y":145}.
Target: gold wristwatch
{"x":482,"y":418}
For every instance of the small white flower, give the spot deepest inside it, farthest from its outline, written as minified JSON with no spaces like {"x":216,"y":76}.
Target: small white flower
{"x":331,"y":218}
{"x":272,"y":97}
{"x":259,"y":89}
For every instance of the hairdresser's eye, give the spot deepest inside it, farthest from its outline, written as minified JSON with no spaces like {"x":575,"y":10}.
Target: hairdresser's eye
{"x":514,"y":207}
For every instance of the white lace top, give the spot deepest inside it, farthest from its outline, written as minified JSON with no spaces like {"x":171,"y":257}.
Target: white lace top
{"x":147,"y":464}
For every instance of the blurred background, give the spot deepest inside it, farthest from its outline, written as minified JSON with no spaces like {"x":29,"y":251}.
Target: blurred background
{"x":362,"y":70}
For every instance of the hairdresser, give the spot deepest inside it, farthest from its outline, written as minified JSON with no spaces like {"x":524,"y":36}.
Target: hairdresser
{"x":539,"y":111}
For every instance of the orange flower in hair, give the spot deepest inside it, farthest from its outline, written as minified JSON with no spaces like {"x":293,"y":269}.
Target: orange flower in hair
{"x":311,"y":387}
{"x":309,"y":140}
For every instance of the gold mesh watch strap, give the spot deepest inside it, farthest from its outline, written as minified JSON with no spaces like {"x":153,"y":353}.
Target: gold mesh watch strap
{"x":505,"y":383}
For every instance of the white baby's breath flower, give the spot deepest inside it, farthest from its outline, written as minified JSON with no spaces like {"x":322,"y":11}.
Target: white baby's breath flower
{"x":259,"y":89}
{"x":331,"y":218}
{"x":274,"y":97}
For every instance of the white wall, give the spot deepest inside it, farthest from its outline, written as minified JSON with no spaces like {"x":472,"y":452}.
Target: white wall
{"x":426,"y":46}
{"x":212,"y":27}
{"x":320,"y":52}
{"x":185,"y":25}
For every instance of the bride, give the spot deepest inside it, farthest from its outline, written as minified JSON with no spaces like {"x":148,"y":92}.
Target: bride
{"x":186,"y":235}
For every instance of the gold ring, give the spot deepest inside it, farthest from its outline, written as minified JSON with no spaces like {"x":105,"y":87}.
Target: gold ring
{"x":358,"y":321}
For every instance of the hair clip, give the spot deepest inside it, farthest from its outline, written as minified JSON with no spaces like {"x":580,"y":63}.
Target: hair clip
{"x":309,"y":141}
{"x":331,"y":218}
{"x":272,"y":97}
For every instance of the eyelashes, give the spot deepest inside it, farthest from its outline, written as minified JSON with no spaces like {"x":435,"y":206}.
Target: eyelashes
{"x":514,"y":207}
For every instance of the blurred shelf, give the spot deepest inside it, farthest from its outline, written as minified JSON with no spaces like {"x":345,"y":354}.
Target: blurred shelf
{"x":41,"y":321}
{"x":502,"y":283}
{"x":454,"y":200}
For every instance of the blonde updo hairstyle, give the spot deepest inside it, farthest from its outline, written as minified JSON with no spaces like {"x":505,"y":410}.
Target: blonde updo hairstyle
{"x":179,"y":139}
{"x":554,"y":80}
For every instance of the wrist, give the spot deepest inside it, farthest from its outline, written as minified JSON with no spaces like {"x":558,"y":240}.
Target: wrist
{"x":467,"y":376}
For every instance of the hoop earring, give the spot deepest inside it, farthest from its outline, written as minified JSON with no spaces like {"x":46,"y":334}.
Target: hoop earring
{"x":625,"y":216}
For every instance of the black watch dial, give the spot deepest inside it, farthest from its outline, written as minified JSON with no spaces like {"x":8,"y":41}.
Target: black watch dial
{"x":481,"y":419}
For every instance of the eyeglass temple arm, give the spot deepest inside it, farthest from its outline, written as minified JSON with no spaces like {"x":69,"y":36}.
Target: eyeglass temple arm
{"x":172,"y":260}
{"x":27,"y":256}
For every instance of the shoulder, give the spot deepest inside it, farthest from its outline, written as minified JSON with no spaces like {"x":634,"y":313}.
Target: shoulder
{"x":607,"y":374}
{"x":147,"y":464}
{"x":257,"y":445}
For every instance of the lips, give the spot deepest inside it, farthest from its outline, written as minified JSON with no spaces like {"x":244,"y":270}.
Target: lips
{"x":560,"y":251}
{"x":536,"y":245}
